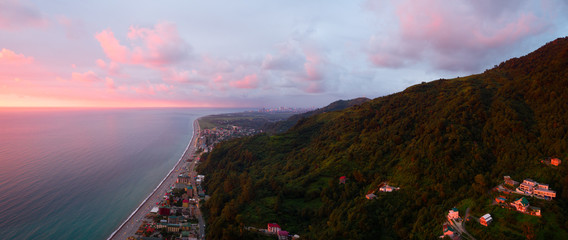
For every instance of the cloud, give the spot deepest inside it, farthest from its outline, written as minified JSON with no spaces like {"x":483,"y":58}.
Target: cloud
{"x":445,"y":33}
{"x":248,"y":82}
{"x":112,"y":68}
{"x":10,"y":57}
{"x":112,"y":47}
{"x":73,"y":28}
{"x":152,"y":89}
{"x":15,"y":14}
{"x":110,"y":83}
{"x":156,"y":47}
{"x":85,"y":77}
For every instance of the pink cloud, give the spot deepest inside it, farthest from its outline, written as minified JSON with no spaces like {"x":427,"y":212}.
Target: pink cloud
{"x":151,"y":47}
{"x":152,"y":89}
{"x":112,"y":68}
{"x":160,"y":46}
{"x":313,"y":66}
{"x":110,"y":83}
{"x":10,"y":57}
{"x":248,"y":82}
{"x":85,"y":77}
{"x":446,"y":32}
{"x":15,"y":14}
{"x":112,"y":47}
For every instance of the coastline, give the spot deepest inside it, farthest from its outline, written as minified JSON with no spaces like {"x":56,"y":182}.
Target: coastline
{"x":129,"y":226}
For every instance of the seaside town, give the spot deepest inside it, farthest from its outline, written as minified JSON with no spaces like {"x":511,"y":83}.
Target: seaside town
{"x":511,"y":195}
{"x":176,"y":214}
{"x":210,"y":137}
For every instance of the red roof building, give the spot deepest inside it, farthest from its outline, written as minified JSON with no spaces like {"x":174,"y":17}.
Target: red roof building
{"x":342,"y":179}
{"x":555,"y":161}
{"x":273,"y":228}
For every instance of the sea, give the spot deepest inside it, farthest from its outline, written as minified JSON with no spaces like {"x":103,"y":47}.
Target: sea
{"x":79,"y":173}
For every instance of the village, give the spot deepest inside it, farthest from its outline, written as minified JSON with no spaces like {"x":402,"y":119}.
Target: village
{"x":210,"y":137}
{"x":513,"y":197}
{"x":175,"y":216}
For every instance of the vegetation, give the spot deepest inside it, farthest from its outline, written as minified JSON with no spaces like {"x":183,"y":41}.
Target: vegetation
{"x":282,"y":126}
{"x":255,"y":120}
{"x":444,"y":143}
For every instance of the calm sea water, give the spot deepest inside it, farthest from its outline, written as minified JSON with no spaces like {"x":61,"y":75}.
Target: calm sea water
{"x":78,"y":174}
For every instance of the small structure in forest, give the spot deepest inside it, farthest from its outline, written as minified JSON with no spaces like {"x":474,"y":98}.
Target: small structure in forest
{"x":486,"y":219}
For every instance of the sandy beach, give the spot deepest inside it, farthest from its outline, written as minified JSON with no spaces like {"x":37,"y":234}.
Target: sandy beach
{"x":130,"y":226}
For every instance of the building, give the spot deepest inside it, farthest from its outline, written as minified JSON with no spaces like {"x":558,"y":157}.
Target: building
{"x":532,"y":188}
{"x":273,"y":228}
{"x":385,"y":187}
{"x":282,"y":235}
{"x":174,"y":219}
{"x":555,"y":161}
{"x":154,"y":210}
{"x":544,"y":193}
{"x":342,"y":180}
{"x":185,"y":203}
{"x":485,"y":220}
{"x":173,"y":227}
{"x":371,"y":196}
{"x":164,"y":211}
{"x":535,"y":211}
{"x":527,"y":186}
{"x":183,"y":178}
{"x":510,"y":182}
{"x":454,"y":213}
{"x":449,"y":231}
{"x":500,"y":199}
{"x":521,"y":204}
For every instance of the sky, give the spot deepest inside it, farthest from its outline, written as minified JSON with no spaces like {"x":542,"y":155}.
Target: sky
{"x":254,"y":53}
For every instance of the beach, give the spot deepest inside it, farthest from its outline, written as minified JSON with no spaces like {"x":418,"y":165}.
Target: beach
{"x":130,"y":225}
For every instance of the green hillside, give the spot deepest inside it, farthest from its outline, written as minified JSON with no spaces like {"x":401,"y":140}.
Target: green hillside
{"x":445,"y":143}
{"x":282,"y":126}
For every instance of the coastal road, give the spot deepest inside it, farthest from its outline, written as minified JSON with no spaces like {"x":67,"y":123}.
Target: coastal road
{"x":130,"y":226}
{"x":198,"y":214}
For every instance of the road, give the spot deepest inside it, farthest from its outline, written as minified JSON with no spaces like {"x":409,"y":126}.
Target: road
{"x":130,"y":226}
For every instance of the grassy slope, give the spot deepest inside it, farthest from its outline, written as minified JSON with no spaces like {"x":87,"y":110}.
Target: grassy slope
{"x":432,"y":140}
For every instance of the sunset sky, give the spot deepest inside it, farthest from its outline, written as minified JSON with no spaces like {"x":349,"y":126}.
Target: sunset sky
{"x":140,"y":53}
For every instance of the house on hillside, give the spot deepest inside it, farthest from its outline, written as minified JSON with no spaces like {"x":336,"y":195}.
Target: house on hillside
{"x":521,"y":204}
{"x":273,"y":228}
{"x":533,"y":188}
{"x":509,"y":181}
{"x":485,"y":220}
{"x":454,"y":213}
{"x":535,"y":211}
{"x":385,"y":187}
{"x":555,"y":161}
{"x":501,"y":199}
{"x":527,"y":186}
{"x":371,"y":196}
{"x":449,"y":231}
{"x":342,"y":180}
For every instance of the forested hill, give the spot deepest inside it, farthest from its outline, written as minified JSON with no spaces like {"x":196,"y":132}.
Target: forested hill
{"x":282,"y":126}
{"x":445,"y":143}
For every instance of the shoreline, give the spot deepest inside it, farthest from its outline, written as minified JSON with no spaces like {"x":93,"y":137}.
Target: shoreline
{"x":189,"y":150}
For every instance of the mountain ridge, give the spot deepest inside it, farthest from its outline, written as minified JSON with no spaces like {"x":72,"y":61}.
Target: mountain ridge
{"x":445,"y":143}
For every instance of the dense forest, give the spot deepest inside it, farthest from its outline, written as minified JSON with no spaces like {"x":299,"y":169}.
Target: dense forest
{"x":445,"y":143}
{"x":282,"y":126}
